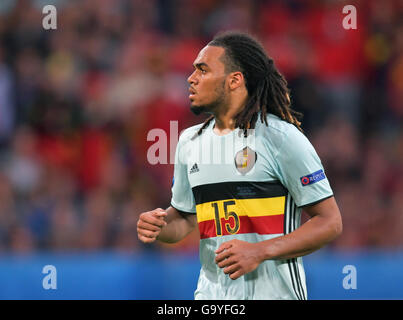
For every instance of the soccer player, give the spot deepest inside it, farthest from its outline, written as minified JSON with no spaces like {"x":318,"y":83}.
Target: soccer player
{"x":247,"y":209}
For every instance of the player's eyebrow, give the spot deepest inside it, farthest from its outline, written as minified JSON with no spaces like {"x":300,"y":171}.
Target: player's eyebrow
{"x":200,"y":64}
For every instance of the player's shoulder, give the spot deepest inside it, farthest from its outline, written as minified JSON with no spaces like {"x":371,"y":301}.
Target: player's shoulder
{"x":285,"y":136}
{"x":278,"y":125}
{"x":277,"y":129}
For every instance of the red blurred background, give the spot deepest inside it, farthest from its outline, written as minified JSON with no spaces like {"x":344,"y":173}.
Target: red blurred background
{"x":76,"y":105}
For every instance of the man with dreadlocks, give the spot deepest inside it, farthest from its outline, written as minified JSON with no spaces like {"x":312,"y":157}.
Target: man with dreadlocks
{"x":248,"y":209}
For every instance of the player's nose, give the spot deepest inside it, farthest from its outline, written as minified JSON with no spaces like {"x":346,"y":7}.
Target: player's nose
{"x":192,"y":79}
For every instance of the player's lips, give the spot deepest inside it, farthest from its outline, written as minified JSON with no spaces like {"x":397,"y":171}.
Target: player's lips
{"x":192,"y":92}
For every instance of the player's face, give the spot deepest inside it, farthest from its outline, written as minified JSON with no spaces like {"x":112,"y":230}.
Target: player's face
{"x":207,"y":82}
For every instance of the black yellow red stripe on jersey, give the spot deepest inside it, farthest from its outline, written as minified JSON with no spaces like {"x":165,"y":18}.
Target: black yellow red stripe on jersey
{"x":240,"y":207}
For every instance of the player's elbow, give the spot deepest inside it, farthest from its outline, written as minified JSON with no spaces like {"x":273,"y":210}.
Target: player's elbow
{"x":335,"y":227}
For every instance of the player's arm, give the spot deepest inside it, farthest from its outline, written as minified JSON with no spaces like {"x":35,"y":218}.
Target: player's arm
{"x":240,"y":257}
{"x":179,"y":225}
{"x":168,"y":225}
{"x":324,"y":226}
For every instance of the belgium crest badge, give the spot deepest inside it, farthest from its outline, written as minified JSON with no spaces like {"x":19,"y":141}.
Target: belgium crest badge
{"x":245,"y":159}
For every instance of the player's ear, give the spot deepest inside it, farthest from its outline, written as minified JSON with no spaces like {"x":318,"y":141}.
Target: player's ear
{"x":236,"y":80}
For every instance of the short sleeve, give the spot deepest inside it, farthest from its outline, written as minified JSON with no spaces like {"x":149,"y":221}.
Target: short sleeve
{"x":182,"y":195}
{"x":300,"y":169}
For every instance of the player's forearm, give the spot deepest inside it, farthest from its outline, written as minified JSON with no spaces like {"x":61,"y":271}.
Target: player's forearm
{"x":309,"y":237}
{"x":177,"y":228}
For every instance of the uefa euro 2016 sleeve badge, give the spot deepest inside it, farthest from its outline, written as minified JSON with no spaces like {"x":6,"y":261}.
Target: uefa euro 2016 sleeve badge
{"x":245,"y":159}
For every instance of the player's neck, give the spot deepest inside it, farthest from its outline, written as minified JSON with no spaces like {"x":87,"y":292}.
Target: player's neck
{"x":225,"y":117}
{"x":223,"y":125}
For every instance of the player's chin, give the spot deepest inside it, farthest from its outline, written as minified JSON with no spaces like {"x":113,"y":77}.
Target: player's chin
{"x":196,"y":109}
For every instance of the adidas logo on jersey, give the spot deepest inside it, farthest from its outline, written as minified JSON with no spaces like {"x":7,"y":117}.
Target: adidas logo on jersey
{"x":194,"y":169}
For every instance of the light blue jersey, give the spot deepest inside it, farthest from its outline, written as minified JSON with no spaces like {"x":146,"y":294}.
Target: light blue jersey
{"x":251,"y":189}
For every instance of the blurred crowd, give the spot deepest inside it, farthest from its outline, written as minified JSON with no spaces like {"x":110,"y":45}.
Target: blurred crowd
{"x":76,"y":105}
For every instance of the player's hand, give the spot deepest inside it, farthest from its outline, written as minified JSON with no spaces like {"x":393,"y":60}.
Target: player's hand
{"x":150,"y":224}
{"x":238,"y":257}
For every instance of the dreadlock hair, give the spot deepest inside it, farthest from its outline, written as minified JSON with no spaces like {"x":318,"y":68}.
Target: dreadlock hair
{"x":267,"y":88}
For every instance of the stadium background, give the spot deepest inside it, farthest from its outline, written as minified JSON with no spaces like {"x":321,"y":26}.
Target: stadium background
{"x":76,"y":105}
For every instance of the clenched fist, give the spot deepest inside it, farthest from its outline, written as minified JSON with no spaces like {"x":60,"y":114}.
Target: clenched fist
{"x":150,"y":224}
